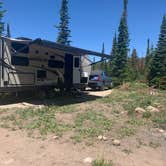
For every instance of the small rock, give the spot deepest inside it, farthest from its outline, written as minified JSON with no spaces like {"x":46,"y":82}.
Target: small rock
{"x":140,"y":110}
{"x":104,"y":138}
{"x":55,"y":137}
{"x":116,"y":142}
{"x":160,"y":130}
{"x":100,"y":137}
{"x":88,"y":160}
{"x":123,"y":112}
{"x":152,"y":109}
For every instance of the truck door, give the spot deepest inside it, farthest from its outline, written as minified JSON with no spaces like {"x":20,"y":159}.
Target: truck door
{"x":76,"y":70}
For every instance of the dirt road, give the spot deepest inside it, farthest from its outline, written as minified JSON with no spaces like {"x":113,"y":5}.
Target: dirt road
{"x":19,"y":150}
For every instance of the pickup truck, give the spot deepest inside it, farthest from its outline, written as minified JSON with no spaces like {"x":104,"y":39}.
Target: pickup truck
{"x":99,"y":80}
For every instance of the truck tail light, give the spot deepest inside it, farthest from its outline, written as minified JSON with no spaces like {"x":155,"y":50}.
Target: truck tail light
{"x":99,"y":78}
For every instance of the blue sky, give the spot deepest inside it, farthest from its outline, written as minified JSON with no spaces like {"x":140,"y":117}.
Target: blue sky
{"x":92,"y":21}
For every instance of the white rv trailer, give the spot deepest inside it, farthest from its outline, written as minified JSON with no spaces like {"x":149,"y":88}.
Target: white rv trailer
{"x":32,"y":64}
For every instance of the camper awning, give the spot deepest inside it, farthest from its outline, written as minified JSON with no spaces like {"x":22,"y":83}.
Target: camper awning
{"x":70,"y":49}
{"x":65,"y":48}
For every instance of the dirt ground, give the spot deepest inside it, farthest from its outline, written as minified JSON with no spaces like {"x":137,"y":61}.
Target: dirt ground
{"x":17,"y":149}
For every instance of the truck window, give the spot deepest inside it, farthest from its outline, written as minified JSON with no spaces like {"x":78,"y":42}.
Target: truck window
{"x":93,"y":77}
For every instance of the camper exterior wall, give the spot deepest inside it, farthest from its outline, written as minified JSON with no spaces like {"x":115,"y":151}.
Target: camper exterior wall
{"x":35,"y":66}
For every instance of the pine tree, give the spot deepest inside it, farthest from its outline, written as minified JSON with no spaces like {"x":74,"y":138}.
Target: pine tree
{"x":121,"y":60}
{"x":2,"y":12}
{"x":148,"y":47}
{"x":8,"y":31}
{"x":134,"y":64}
{"x":141,"y":68}
{"x":114,"y":52}
{"x":148,"y":54}
{"x":134,"y":60}
{"x":102,"y":59}
{"x":148,"y":60}
{"x":63,"y":28}
{"x":158,"y":65}
{"x":114,"y":48}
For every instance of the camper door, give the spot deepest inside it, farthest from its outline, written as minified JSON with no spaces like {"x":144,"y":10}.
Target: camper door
{"x":76,"y":70}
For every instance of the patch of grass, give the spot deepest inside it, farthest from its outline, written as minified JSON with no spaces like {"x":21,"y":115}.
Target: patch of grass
{"x":87,"y":124}
{"x":127,"y":131}
{"x":135,"y":100}
{"x":89,"y":132}
{"x":135,"y":122}
{"x":42,"y":120}
{"x":160,"y":119}
{"x":130,"y":127}
{"x":130,"y":98}
{"x":147,"y":115}
{"x":91,"y":124}
{"x":76,"y":138}
{"x":64,"y":109}
{"x":102,"y":162}
{"x":6,"y":126}
{"x":137,"y":95}
{"x":138,"y":86}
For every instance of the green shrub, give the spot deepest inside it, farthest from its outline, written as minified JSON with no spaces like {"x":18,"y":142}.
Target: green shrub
{"x":102,"y":162}
{"x":146,"y":115}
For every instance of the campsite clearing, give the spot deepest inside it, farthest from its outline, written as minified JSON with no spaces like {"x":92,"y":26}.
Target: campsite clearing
{"x":67,"y":130}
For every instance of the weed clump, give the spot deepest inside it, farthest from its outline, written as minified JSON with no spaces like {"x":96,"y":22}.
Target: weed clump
{"x":102,"y":162}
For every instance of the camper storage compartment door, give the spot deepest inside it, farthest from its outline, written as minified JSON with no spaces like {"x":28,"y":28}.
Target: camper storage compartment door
{"x":18,"y":78}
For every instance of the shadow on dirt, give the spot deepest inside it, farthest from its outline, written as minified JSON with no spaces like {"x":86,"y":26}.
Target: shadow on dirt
{"x":58,"y":99}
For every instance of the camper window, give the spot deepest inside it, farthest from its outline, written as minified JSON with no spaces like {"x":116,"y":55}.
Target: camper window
{"x":41,"y":74}
{"x":19,"y":61}
{"x":55,"y":64}
{"x":20,"y":47}
{"x":76,"y":62}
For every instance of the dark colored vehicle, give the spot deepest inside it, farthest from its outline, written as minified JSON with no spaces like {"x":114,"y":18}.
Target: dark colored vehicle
{"x":99,"y":80}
